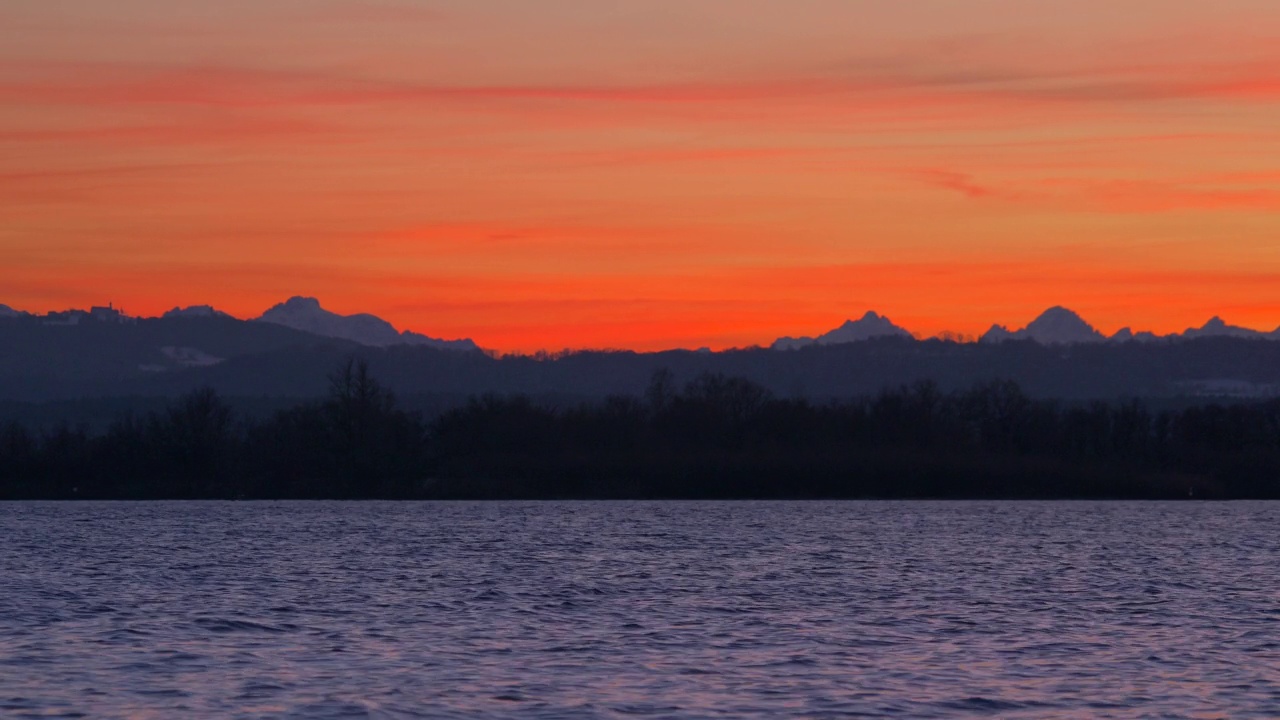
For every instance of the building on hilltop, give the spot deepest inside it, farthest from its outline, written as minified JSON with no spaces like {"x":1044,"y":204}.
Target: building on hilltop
{"x":109,"y":314}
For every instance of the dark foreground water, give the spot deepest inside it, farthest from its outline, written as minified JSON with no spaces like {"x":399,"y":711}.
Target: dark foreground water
{"x":612,"y":609}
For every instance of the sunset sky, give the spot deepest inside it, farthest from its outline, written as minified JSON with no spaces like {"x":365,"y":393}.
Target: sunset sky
{"x":646,"y":173}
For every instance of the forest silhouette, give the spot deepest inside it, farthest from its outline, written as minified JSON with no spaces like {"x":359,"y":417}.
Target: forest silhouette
{"x":712,"y":437}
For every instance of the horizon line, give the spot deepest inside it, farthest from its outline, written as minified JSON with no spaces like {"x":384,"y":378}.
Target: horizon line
{"x":943,"y":335}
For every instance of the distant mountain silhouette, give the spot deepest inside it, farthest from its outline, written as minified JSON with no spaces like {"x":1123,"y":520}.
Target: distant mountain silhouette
{"x":306,"y":314}
{"x":76,"y":354}
{"x":1126,"y":334}
{"x":1060,"y":326}
{"x":1216,"y":327}
{"x":8,"y":312}
{"x":168,"y":357}
{"x":201,"y":311}
{"x":1055,"y":326}
{"x":103,"y":353}
{"x":870,"y":325}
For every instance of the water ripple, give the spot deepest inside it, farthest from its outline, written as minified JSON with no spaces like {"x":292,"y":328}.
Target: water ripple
{"x":586,"y":610}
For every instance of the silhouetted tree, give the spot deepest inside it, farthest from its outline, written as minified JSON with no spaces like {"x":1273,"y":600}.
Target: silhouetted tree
{"x":194,"y":435}
{"x":718,"y":436}
{"x":376,"y":447}
{"x":661,"y":390}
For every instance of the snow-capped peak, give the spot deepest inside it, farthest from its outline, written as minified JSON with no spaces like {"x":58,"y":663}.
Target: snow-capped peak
{"x":307,"y":315}
{"x":1055,"y":326}
{"x":870,"y":325}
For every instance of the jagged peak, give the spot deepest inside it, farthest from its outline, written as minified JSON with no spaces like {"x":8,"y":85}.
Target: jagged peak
{"x":995,"y":333}
{"x":307,"y":314}
{"x":870,"y":325}
{"x":1217,"y":327}
{"x":298,"y":302}
{"x":870,"y":316}
{"x":1057,"y":325}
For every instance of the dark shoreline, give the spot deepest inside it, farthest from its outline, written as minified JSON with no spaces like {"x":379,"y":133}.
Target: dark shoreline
{"x":654,"y":500}
{"x":716,"y":437}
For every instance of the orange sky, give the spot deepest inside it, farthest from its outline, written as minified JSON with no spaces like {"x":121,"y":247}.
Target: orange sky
{"x":646,"y":173}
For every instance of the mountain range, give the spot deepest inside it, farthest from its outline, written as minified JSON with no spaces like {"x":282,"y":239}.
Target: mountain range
{"x":290,"y":351}
{"x":1055,"y":326}
{"x":300,"y":313}
{"x":870,"y":325}
{"x":305,"y":314}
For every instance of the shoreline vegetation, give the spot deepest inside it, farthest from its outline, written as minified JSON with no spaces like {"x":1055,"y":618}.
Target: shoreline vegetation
{"x":714,"y":437}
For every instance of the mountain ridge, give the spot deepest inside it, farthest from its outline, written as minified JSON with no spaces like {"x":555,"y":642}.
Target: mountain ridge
{"x":1057,"y":325}
{"x":195,"y":311}
{"x":306,"y":314}
{"x":870,"y":325}
{"x":106,"y":355}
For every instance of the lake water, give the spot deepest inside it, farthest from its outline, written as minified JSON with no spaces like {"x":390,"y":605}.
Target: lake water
{"x":625,"y":609}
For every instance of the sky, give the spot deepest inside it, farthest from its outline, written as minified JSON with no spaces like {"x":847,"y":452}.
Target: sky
{"x":646,"y":173}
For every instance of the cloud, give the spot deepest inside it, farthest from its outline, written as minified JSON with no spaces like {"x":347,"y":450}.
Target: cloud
{"x":1232,"y":192}
{"x":201,"y":130}
{"x":239,"y":86}
{"x":959,"y":182}
{"x":1147,"y":196}
{"x":80,"y":185}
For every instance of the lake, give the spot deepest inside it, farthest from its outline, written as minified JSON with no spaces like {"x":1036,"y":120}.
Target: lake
{"x":640,"y":609}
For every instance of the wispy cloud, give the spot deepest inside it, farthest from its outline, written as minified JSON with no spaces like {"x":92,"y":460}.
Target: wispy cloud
{"x":1252,"y":191}
{"x":576,"y":174}
{"x":959,"y":182}
{"x":1150,"y":196}
{"x":245,"y":86}
{"x":185,"y":131}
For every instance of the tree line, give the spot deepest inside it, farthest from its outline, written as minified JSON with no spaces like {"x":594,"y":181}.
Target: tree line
{"x":712,"y":437}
